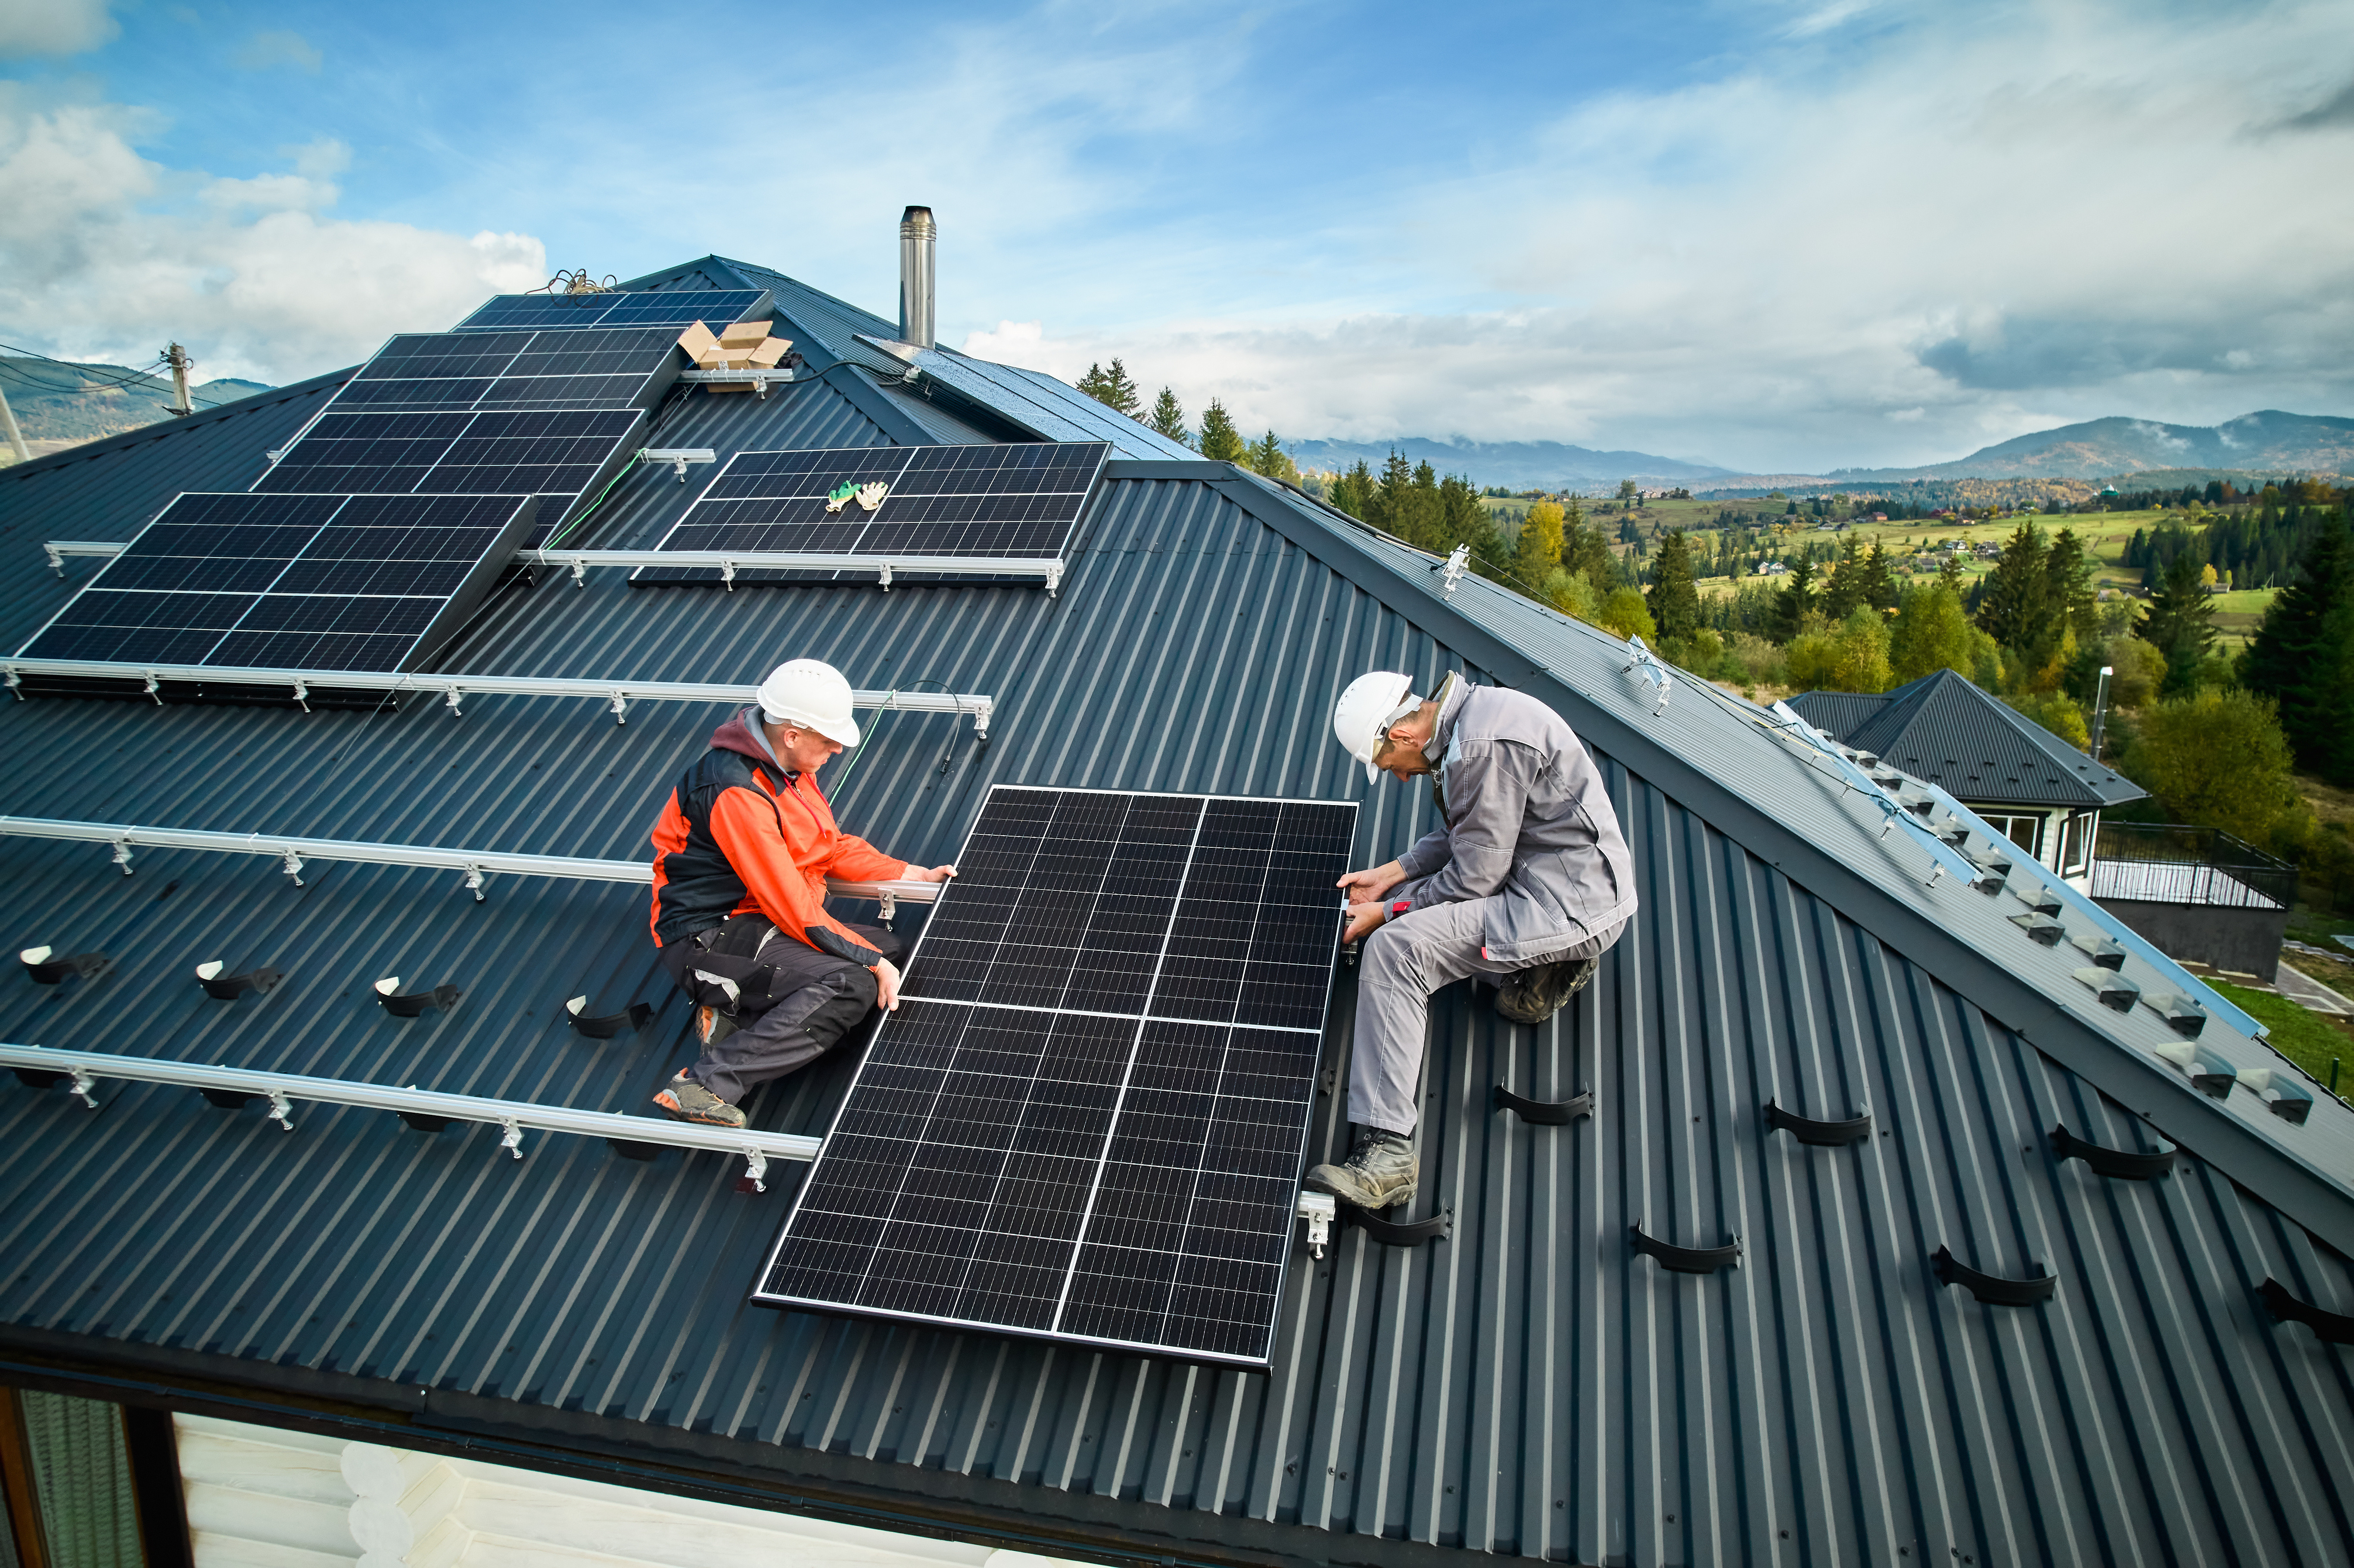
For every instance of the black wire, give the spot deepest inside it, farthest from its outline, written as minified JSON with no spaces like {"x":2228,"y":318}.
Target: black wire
{"x":147,"y":382}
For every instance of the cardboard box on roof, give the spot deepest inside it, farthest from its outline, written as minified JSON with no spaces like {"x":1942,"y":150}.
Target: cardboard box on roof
{"x":698,"y":341}
{"x":765,"y":355}
{"x":744,"y":334}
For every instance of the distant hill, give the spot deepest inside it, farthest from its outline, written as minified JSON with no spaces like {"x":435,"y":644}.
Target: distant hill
{"x":60,"y":405}
{"x":2270,"y":441}
{"x":1516,"y":465}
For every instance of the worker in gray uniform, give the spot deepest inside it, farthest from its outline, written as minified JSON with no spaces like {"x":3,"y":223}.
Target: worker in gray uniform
{"x":1526,"y":878}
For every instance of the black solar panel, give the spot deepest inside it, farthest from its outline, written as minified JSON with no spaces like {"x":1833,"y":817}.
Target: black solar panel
{"x":675,"y":310}
{"x":1016,"y":500}
{"x":596,"y":368}
{"x":1086,"y":1121}
{"x":552,"y":452}
{"x":291,"y":581}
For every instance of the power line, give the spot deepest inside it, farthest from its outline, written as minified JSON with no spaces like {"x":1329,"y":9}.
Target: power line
{"x":147,"y":381}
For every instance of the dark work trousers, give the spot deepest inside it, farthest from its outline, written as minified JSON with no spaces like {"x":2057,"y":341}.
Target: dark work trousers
{"x":817,"y":999}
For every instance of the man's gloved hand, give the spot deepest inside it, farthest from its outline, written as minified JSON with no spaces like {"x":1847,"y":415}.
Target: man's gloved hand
{"x":1363,"y":918}
{"x":1363,"y":887}
{"x":937,"y":874}
{"x":887,"y":985}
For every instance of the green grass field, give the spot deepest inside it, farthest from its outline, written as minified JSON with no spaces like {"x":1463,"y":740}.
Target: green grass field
{"x":2304,"y":1038}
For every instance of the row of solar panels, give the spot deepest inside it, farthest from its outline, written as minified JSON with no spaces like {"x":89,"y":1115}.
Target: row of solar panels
{"x":490,"y":434}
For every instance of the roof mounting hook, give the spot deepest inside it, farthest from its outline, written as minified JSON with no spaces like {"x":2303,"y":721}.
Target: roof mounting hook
{"x":293,"y":866}
{"x":282,"y":1110}
{"x":155,"y":689}
{"x":1054,"y":580}
{"x":57,"y":558}
{"x":123,"y":855}
{"x":303,"y":693}
{"x":1458,"y":561}
{"x":16,"y":683}
{"x":620,"y":708}
{"x":886,"y":577}
{"x":474,"y":882}
{"x":512,"y":1140}
{"x":981,"y":716}
{"x":579,"y":573}
{"x":727,"y":575}
{"x":453,"y":696}
{"x":82,"y":1083}
{"x":756,"y":1166}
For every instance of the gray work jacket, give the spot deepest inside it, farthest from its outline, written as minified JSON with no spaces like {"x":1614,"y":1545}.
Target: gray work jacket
{"x":1529,"y":827}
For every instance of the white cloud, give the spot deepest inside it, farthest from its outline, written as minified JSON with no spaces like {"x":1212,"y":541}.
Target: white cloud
{"x":108,"y":255}
{"x":53,"y":26}
{"x":279,"y":47}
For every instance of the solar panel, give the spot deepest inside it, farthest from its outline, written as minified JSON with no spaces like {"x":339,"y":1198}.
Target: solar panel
{"x":291,"y":581}
{"x":1087,"y":1118}
{"x":517,"y":453}
{"x":1020,"y":499}
{"x":673,"y":309}
{"x":596,"y":368}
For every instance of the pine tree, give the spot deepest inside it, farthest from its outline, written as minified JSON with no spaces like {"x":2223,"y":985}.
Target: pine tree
{"x":1845,"y":591}
{"x":1796,"y":599}
{"x":1221,"y":443}
{"x":2068,"y":588}
{"x":1583,"y":552}
{"x":1879,"y":586}
{"x":1950,"y":573}
{"x":1113,"y":389}
{"x":1388,"y":508}
{"x":1463,"y":521}
{"x":1168,"y":419}
{"x":1675,"y":597}
{"x":1268,"y":457}
{"x":1538,"y":554}
{"x":1353,"y":492}
{"x":2179,"y":622}
{"x":2303,"y":656}
{"x":2015,"y":610}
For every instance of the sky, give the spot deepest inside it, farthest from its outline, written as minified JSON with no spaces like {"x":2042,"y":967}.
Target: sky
{"x":1776,"y":237}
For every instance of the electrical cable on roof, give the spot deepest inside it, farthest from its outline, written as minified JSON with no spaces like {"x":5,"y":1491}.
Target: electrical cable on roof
{"x":842,"y":780}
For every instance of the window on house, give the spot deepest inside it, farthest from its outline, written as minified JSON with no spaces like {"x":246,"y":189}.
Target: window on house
{"x":2076,"y":844}
{"x":2026,"y":832}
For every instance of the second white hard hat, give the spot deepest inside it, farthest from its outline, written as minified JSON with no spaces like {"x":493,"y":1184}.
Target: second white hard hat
{"x":810,"y":694}
{"x":1370,"y":704}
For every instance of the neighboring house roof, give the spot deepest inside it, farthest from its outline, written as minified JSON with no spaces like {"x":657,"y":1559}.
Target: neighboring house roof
{"x":1525,"y":1388}
{"x":1968,"y":742}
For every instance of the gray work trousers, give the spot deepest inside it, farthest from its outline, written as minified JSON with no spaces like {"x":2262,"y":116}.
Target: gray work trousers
{"x":1403,"y":962}
{"x":821,"y":1000}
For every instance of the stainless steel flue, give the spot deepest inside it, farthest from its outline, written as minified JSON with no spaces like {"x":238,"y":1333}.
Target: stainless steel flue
{"x":916,"y":234}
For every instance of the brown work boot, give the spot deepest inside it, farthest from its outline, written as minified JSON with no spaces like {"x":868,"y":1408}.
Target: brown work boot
{"x":687,"y":1100}
{"x":1382,"y":1171}
{"x":1534,"y":994}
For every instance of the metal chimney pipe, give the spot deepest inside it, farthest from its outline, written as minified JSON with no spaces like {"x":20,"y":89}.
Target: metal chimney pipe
{"x":916,"y":234}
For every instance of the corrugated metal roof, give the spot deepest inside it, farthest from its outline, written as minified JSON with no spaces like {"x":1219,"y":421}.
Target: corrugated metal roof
{"x":1526,"y":1388}
{"x":1945,"y":729}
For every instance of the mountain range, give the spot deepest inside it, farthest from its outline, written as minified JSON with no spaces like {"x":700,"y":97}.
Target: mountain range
{"x":59,"y":406}
{"x":2268,"y":441}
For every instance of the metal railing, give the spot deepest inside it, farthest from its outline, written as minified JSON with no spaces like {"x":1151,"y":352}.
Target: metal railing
{"x":2173,"y":862}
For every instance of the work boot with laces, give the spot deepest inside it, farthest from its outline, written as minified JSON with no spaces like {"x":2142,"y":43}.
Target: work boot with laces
{"x":1534,"y":994}
{"x":686,"y":1101}
{"x":1380,"y":1171}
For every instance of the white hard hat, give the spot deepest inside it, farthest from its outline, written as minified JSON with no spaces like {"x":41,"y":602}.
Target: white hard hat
{"x":809,"y":694}
{"x":1369,"y":706}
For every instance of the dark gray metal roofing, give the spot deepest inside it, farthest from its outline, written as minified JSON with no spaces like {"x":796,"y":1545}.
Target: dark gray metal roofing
{"x":1524,"y":1388}
{"x":1943,"y":728}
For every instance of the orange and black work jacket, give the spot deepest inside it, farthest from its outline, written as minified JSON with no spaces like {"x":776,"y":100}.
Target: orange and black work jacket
{"x":742,"y":835}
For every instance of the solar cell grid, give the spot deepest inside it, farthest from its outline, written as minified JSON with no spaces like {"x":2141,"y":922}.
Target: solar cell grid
{"x":285,"y":582}
{"x":1020,"y":499}
{"x":451,"y":452}
{"x":673,"y":309}
{"x":586,"y":370}
{"x":1032,"y":1142}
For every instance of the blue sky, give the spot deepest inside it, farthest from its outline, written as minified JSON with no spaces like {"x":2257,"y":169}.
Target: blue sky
{"x":1776,"y":237}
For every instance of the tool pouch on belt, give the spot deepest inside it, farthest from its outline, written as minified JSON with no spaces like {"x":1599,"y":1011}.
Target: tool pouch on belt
{"x":722,"y":969}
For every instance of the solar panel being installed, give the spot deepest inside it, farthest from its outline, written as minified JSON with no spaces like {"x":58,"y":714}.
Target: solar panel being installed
{"x":1016,"y":500}
{"x":290,"y":581}
{"x":675,"y":310}
{"x":1087,"y":1120}
{"x":518,"y":452}
{"x":598,"y":368}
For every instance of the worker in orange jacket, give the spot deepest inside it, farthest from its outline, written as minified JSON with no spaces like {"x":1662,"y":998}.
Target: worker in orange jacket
{"x":741,"y":856}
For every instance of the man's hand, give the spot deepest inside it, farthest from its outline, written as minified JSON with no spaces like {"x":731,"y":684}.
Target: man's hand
{"x":887,"y":985}
{"x":937,"y":874}
{"x":1362,"y":919}
{"x":1368,"y":885}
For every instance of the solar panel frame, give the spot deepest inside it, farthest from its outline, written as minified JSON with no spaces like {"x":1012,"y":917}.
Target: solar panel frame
{"x":589,"y":369}
{"x":676,"y":309}
{"x":1011,"y":499}
{"x":1078,"y":1163}
{"x":291,"y":580}
{"x":561,"y":452}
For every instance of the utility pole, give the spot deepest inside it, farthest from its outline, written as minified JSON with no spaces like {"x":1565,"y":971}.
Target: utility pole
{"x":177,"y":358}
{"x":16,"y":436}
{"x":2101,"y":710}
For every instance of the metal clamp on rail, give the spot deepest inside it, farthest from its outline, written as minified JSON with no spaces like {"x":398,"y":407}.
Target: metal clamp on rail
{"x":1317,"y":1209}
{"x":1820,"y":1134}
{"x":427,"y":1110}
{"x":677,"y":457}
{"x":1542,"y":1113}
{"x":2124,"y":1165}
{"x":1992,"y":1288}
{"x":1685,"y":1259}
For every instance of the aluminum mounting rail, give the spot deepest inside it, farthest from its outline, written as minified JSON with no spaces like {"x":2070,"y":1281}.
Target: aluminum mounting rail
{"x":477,"y":865}
{"x":727,"y":563}
{"x":426,"y":1109}
{"x":618,"y":695}
{"x":58,"y":549}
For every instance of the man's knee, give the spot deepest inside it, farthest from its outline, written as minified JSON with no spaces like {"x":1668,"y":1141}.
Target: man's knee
{"x":1391,"y":956}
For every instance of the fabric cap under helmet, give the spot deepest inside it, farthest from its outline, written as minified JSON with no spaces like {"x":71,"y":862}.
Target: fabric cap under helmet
{"x":810,"y":694}
{"x":1369,"y":706}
